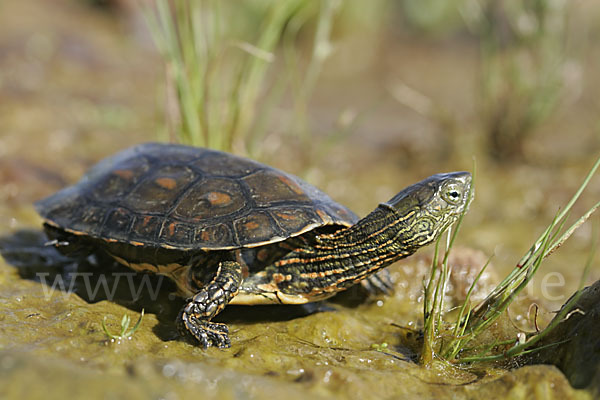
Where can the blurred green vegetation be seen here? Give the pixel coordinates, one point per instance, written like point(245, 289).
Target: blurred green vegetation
point(230, 65)
point(525, 60)
point(240, 73)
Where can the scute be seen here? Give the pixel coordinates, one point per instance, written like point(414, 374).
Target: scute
point(269, 187)
point(217, 163)
point(159, 189)
point(219, 236)
point(210, 199)
point(257, 227)
point(118, 182)
point(145, 228)
point(292, 219)
point(181, 197)
point(177, 234)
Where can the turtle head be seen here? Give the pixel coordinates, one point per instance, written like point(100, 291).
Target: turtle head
point(427, 208)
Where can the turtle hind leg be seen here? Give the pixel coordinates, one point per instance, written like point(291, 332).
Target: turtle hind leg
point(194, 319)
point(379, 283)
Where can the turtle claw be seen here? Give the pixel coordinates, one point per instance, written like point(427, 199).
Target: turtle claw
point(203, 332)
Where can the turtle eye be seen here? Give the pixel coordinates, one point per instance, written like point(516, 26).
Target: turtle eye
point(452, 194)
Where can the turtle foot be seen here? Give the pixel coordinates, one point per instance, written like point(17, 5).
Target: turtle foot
point(194, 318)
point(203, 332)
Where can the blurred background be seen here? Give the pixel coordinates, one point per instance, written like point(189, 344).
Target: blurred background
point(359, 98)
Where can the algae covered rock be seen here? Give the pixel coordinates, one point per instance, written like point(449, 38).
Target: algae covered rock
point(577, 349)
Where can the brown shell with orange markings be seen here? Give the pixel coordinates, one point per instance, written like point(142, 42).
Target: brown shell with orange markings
point(188, 198)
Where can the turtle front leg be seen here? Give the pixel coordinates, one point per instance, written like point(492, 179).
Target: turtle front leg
point(194, 318)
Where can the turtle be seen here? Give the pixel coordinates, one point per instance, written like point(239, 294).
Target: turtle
point(231, 230)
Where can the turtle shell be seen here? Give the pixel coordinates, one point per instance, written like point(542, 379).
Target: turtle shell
point(188, 198)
